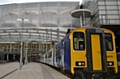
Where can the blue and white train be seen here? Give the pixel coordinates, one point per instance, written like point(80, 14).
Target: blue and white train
point(89, 52)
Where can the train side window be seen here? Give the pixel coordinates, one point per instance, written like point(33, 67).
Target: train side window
point(54, 51)
point(57, 51)
point(50, 54)
point(46, 56)
point(108, 42)
point(78, 41)
point(64, 47)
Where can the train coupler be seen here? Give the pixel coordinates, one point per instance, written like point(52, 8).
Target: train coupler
point(97, 76)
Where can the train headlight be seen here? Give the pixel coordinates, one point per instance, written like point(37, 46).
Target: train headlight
point(110, 63)
point(80, 63)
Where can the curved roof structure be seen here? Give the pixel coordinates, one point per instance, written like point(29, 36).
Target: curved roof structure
point(44, 19)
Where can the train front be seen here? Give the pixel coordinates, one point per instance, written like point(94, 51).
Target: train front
point(93, 53)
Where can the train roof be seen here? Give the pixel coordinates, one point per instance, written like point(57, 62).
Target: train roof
point(84, 28)
point(69, 31)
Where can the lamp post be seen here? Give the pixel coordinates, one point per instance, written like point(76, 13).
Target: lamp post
point(22, 20)
point(21, 63)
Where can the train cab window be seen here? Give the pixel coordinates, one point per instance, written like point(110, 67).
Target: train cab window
point(78, 41)
point(108, 42)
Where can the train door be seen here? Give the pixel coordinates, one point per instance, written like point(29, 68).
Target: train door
point(53, 56)
point(95, 52)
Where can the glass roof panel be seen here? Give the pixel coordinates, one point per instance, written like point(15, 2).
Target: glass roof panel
point(14, 33)
point(26, 34)
point(21, 30)
point(15, 36)
point(5, 36)
point(32, 31)
point(34, 34)
point(10, 30)
point(4, 33)
point(42, 31)
point(1, 31)
point(41, 15)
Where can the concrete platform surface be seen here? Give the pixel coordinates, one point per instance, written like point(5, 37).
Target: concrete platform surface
point(30, 71)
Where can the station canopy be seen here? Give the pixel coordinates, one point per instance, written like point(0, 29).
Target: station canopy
point(40, 20)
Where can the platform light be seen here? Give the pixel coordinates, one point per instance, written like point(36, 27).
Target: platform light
point(22, 20)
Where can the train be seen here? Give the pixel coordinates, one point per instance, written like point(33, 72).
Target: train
point(89, 53)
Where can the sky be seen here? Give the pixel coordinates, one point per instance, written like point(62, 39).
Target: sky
point(23, 1)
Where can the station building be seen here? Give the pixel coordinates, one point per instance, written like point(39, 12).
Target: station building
point(49, 22)
point(38, 26)
point(104, 14)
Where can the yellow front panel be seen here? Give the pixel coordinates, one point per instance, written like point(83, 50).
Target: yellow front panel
point(76, 55)
point(96, 53)
point(111, 55)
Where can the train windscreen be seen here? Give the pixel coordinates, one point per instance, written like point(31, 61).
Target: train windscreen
point(78, 41)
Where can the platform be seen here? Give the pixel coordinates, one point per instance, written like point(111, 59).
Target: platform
point(30, 71)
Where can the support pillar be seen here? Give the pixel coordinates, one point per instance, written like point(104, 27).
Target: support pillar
point(81, 24)
point(7, 57)
point(26, 55)
point(43, 43)
point(46, 40)
point(51, 39)
point(39, 44)
point(82, 14)
point(58, 35)
point(14, 57)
